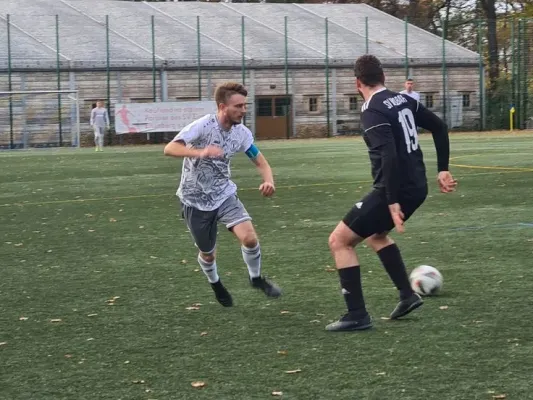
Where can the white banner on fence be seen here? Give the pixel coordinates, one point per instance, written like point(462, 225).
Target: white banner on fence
point(159, 117)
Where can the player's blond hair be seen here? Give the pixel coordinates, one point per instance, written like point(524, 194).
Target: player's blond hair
point(225, 90)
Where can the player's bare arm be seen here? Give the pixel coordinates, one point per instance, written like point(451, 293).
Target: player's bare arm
point(267, 188)
point(428, 120)
point(178, 149)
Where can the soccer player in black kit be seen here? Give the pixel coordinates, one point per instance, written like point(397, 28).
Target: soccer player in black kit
point(390, 123)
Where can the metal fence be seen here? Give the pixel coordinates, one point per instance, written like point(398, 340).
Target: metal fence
point(48, 57)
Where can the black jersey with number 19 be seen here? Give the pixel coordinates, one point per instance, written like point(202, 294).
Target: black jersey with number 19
point(390, 122)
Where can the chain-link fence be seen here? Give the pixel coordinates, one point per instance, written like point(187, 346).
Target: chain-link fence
point(296, 60)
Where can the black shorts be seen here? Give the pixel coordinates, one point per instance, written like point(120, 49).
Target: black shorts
point(371, 215)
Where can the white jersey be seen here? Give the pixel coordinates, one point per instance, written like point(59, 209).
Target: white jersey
point(205, 182)
point(99, 117)
point(413, 94)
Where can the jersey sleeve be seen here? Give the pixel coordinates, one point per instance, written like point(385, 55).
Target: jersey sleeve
point(439, 130)
point(378, 131)
point(247, 140)
point(189, 134)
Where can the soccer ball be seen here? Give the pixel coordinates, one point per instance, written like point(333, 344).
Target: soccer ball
point(426, 280)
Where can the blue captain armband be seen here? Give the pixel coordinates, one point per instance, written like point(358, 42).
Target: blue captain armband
point(252, 152)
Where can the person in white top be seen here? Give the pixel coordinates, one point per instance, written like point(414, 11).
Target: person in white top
point(99, 121)
point(208, 195)
point(409, 84)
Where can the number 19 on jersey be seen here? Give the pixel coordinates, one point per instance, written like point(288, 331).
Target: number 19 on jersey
point(407, 120)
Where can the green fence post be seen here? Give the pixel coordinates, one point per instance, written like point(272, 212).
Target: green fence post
point(366, 36)
point(58, 70)
point(327, 78)
point(481, 78)
point(289, 103)
point(199, 57)
point(154, 88)
point(406, 48)
point(108, 72)
point(243, 61)
point(10, 82)
point(443, 25)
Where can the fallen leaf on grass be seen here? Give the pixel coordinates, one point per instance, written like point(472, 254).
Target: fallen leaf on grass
point(294, 371)
point(112, 220)
point(18, 244)
point(3, 343)
point(197, 270)
point(277, 393)
point(126, 362)
point(192, 308)
point(385, 318)
point(138, 382)
point(198, 384)
point(499, 396)
point(23, 318)
point(92, 315)
point(56, 320)
point(315, 321)
point(203, 334)
point(443, 307)
point(381, 373)
point(285, 312)
point(68, 355)
point(184, 261)
point(283, 352)
point(329, 269)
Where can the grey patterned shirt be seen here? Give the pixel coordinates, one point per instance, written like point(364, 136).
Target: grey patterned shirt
point(205, 182)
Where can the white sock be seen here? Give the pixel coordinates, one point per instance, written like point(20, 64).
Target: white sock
point(252, 258)
point(210, 269)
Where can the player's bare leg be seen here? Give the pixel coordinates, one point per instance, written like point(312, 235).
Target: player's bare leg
point(251, 254)
point(208, 264)
point(392, 261)
point(342, 242)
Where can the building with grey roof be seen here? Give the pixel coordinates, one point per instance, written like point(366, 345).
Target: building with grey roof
point(298, 80)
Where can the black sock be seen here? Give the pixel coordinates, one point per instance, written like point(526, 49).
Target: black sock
point(392, 261)
point(351, 289)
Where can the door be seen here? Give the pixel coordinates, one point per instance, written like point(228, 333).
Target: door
point(273, 117)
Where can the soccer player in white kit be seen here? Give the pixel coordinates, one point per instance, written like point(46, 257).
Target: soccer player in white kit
point(99, 121)
point(208, 195)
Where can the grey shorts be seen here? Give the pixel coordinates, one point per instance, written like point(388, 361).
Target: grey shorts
point(203, 224)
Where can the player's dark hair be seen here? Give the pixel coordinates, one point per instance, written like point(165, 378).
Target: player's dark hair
point(225, 90)
point(369, 71)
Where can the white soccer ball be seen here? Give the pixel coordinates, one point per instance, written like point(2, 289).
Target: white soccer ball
point(426, 280)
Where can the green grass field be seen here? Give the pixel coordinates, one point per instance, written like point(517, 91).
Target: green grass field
point(79, 229)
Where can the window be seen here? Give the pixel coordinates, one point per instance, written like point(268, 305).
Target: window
point(466, 100)
point(352, 103)
point(428, 100)
point(263, 107)
point(313, 104)
point(282, 106)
